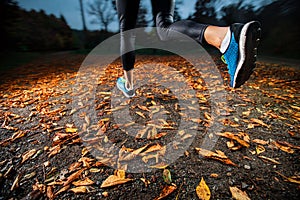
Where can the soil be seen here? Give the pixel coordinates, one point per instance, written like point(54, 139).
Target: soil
point(36, 105)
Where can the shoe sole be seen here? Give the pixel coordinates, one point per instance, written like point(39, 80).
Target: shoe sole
point(126, 95)
point(248, 43)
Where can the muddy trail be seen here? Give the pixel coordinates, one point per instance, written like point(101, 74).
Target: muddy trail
point(58, 142)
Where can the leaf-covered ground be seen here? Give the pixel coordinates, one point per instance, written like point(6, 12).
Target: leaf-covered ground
point(42, 155)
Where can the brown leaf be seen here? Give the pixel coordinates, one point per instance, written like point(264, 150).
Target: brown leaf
point(238, 194)
point(202, 190)
point(166, 191)
point(16, 182)
point(260, 122)
point(49, 192)
point(73, 176)
point(295, 179)
point(84, 182)
point(113, 180)
point(269, 159)
point(283, 147)
point(259, 141)
point(28, 154)
point(219, 155)
point(234, 137)
point(63, 189)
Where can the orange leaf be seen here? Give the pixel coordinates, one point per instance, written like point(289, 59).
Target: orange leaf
point(219, 155)
point(166, 191)
point(234, 137)
point(73, 176)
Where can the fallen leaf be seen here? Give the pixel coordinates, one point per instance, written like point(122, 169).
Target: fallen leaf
point(219, 155)
point(167, 190)
point(140, 114)
point(113, 180)
point(167, 176)
point(71, 130)
point(84, 182)
point(290, 179)
point(80, 189)
point(238, 194)
point(202, 190)
point(16, 182)
point(260, 149)
point(269, 159)
point(28, 155)
point(283, 147)
point(260, 122)
point(259, 141)
point(288, 144)
point(49, 192)
point(234, 137)
point(214, 175)
point(73, 176)
point(63, 189)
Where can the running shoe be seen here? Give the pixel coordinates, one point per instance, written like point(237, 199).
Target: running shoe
point(121, 86)
point(241, 53)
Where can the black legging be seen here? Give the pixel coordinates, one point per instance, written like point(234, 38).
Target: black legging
point(163, 11)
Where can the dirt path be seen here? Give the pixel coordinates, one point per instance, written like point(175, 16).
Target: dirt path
point(44, 154)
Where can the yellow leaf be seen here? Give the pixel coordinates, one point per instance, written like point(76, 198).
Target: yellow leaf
point(71, 130)
point(202, 190)
point(238, 194)
point(260, 149)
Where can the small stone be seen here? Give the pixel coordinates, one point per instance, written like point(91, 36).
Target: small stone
point(229, 169)
point(228, 174)
point(244, 185)
point(247, 167)
point(231, 182)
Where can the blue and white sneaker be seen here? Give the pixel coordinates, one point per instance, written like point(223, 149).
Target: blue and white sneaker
point(241, 53)
point(121, 86)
